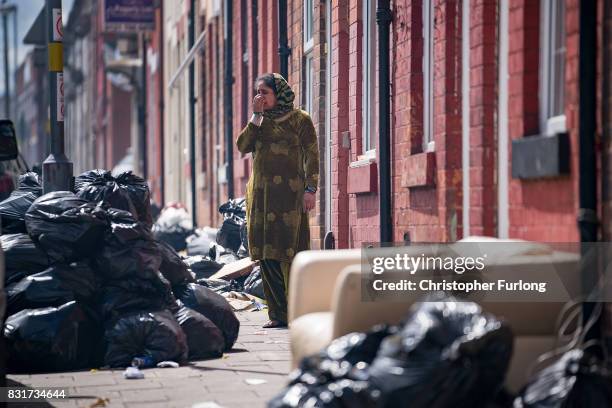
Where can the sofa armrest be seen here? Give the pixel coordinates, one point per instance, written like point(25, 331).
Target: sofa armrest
point(352, 314)
point(312, 279)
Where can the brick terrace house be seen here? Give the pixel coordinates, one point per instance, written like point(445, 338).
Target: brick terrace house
point(483, 93)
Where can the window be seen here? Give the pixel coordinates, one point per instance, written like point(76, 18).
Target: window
point(428, 59)
point(308, 76)
point(370, 79)
point(308, 25)
point(552, 74)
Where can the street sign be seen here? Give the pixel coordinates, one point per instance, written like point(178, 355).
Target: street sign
point(129, 15)
point(60, 96)
point(58, 29)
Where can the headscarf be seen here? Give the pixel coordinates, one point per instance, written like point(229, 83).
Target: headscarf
point(284, 97)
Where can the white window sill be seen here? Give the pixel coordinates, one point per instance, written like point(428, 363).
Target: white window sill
point(308, 46)
point(555, 125)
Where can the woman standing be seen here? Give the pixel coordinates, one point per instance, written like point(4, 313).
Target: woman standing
point(282, 186)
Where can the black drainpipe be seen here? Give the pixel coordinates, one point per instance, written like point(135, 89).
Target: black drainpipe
point(383, 18)
point(192, 119)
point(161, 109)
point(227, 98)
point(283, 46)
point(587, 216)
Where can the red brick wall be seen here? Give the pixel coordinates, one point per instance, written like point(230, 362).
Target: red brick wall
point(427, 213)
point(542, 210)
point(539, 209)
point(363, 208)
point(340, 121)
point(483, 105)
point(296, 78)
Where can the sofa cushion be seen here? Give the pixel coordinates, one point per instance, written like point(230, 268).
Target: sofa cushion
point(309, 334)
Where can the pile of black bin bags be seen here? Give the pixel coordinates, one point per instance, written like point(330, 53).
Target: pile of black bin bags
point(87, 285)
point(446, 354)
point(209, 249)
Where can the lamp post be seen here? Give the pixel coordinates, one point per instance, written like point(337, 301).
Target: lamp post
point(57, 169)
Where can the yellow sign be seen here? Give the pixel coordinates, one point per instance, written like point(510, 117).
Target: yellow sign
point(56, 57)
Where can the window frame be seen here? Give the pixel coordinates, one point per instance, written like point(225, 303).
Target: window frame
point(308, 56)
point(368, 89)
point(308, 21)
point(551, 123)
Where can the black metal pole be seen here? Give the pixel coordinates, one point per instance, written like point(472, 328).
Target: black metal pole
point(587, 217)
point(192, 119)
point(383, 18)
point(57, 169)
point(162, 107)
point(227, 98)
point(283, 46)
point(7, 89)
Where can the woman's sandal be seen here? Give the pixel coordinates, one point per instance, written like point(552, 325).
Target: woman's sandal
point(274, 324)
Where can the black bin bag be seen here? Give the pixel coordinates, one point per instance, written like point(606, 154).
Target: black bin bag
point(199, 242)
point(14, 208)
point(13, 211)
point(172, 266)
point(51, 339)
point(125, 192)
point(129, 295)
point(55, 286)
point(145, 334)
point(129, 250)
point(337, 375)
point(21, 257)
point(31, 183)
point(228, 235)
point(213, 306)
point(202, 266)
point(66, 227)
point(253, 285)
point(575, 380)
point(448, 353)
point(205, 340)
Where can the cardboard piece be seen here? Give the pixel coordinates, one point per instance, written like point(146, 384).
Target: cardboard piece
point(234, 270)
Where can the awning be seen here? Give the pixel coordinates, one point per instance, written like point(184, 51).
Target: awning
point(188, 59)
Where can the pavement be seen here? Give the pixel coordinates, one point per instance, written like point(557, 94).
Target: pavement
point(248, 376)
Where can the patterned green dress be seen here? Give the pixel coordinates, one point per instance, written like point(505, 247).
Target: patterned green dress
point(286, 159)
